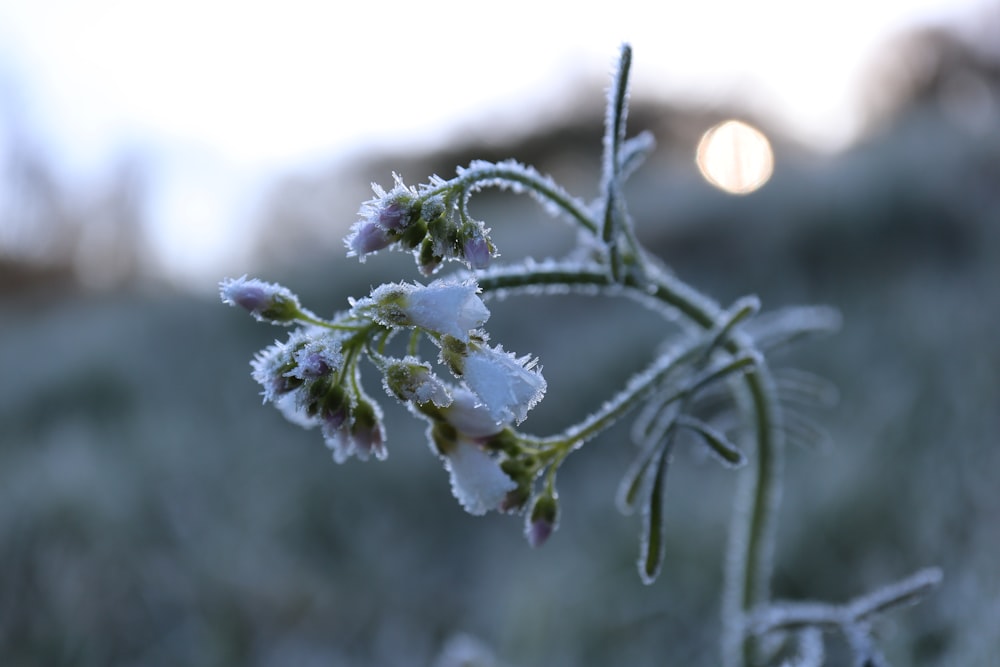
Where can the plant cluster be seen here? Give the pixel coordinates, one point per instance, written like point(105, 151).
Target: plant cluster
point(711, 382)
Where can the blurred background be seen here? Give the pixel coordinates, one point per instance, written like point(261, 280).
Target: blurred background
point(153, 513)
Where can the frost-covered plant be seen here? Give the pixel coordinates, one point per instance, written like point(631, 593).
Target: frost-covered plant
point(711, 380)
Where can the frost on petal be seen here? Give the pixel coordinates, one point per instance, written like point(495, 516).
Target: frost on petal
point(509, 387)
point(448, 307)
point(470, 417)
point(476, 479)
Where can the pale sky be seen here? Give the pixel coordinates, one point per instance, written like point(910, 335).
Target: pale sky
point(221, 93)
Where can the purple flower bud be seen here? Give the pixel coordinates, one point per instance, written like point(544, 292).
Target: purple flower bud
point(476, 251)
point(267, 302)
point(366, 237)
point(542, 520)
point(394, 216)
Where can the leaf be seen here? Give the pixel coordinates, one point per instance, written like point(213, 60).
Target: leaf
point(788, 325)
point(729, 454)
point(634, 153)
point(634, 483)
point(741, 310)
point(652, 548)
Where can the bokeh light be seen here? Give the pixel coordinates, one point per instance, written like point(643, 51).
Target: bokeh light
point(735, 157)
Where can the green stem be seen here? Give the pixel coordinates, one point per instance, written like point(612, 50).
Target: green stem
point(506, 173)
point(748, 566)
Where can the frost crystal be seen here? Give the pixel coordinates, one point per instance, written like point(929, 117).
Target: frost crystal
point(476, 479)
point(506, 385)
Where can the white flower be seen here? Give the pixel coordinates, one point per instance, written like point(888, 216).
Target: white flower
point(446, 307)
point(476, 479)
point(506, 385)
point(470, 417)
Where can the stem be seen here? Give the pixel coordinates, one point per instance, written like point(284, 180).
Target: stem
point(614, 137)
point(748, 565)
point(503, 174)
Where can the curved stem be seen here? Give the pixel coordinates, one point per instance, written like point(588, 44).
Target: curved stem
point(507, 174)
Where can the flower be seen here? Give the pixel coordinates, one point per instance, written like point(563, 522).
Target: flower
point(445, 306)
point(476, 478)
point(508, 386)
point(469, 417)
point(267, 302)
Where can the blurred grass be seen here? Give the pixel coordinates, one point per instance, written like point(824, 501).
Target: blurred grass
point(153, 513)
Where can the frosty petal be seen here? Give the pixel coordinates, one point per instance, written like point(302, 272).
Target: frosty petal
point(470, 417)
point(446, 307)
point(450, 308)
point(476, 479)
point(506, 385)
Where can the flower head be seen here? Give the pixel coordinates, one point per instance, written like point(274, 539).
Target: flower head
point(508, 386)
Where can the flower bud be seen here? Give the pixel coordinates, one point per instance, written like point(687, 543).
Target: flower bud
point(267, 302)
point(476, 250)
point(365, 238)
point(428, 260)
point(543, 519)
point(411, 380)
point(433, 208)
point(366, 430)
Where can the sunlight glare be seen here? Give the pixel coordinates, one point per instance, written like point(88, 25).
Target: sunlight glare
point(735, 157)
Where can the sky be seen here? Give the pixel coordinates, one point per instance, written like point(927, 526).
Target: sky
point(220, 95)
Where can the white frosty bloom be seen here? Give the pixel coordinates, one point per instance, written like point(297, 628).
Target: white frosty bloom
point(508, 386)
point(470, 417)
point(476, 479)
point(445, 306)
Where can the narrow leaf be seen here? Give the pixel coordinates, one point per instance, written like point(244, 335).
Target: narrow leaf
point(788, 325)
point(741, 310)
point(737, 364)
point(652, 548)
point(729, 454)
point(635, 481)
point(634, 153)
